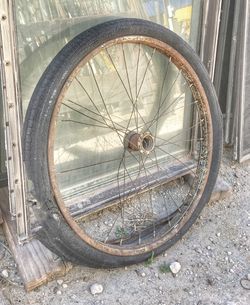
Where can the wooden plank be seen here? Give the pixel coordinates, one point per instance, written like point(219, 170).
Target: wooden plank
point(37, 265)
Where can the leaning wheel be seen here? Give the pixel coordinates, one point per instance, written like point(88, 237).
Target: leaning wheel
point(122, 141)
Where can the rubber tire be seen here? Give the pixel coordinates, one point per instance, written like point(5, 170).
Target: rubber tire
point(54, 231)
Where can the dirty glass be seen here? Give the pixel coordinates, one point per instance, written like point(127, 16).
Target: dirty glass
point(45, 26)
point(106, 116)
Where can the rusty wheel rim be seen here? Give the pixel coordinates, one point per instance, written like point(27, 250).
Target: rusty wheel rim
point(143, 142)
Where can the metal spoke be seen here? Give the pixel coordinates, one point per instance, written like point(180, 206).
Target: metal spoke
point(166, 142)
point(165, 113)
point(179, 133)
point(104, 125)
point(125, 62)
point(136, 85)
point(163, 82)
point(95, 113)
point(104, 104)
point(87, 166)
point(118, 74)
point(86, 124)
point(142, 82)
point(171, 155)
point(88, 95)
point(159, 168)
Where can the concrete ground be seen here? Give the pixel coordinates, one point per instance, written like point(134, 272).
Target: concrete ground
point(214, 257)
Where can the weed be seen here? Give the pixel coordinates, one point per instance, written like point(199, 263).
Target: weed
point(150, 260)
point(164, 268)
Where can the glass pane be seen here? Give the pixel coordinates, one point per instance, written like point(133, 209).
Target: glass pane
point(96, 119)
point(45, 26)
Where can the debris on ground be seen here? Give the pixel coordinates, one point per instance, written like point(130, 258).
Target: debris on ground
point(214, 257)
point(96, 289)
point(175, 267)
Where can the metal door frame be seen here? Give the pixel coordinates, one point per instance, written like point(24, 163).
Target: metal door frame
point(240, 152)
point(12, 108)
point(3, 175)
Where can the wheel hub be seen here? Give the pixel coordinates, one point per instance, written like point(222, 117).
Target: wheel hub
point(142, 142)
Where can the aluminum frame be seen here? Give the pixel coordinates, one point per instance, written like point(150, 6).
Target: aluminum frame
point(241, 152)
point(210, 34)
point(13, 119)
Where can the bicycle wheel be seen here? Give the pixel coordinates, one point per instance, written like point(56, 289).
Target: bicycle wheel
point(119, 143)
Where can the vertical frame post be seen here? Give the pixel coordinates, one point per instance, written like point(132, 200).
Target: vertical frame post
point(210, 34)
point(13, 118)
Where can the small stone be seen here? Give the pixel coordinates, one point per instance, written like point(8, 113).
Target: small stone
point(96, 289)
point(208, 247)
point(5, 273)
point(236, 175)
point(175, 267)
point(141, 273)
point(59, 282)
point(210, 281)
point(229, 253)
point(218, 234)
point(126, 268)
point(198, 250)
point(65, 286)
point(57, 291)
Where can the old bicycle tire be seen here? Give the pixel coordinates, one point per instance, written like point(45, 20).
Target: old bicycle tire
point(122, 143)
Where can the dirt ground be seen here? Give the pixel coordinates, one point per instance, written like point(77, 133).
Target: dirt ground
point(214, 256)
